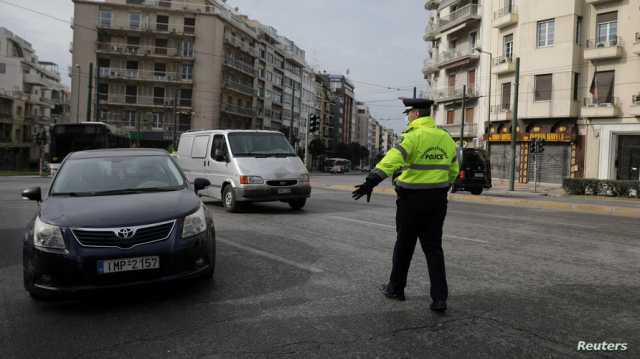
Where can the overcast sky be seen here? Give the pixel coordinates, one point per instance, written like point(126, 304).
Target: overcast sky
point(377, 41)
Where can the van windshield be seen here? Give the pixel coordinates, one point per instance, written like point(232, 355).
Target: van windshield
point(256, 144)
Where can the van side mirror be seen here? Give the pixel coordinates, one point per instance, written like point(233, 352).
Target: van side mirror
point(200, 183)
point(219, 156)
point(33, 194)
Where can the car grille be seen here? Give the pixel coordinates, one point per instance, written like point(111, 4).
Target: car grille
point(282, 183)
point(107, 237)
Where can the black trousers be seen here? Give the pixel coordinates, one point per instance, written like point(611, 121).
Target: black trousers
point(420, 214)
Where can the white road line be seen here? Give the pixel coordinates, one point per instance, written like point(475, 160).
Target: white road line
point(452, 236)
point(274, 257)
point(524, 219)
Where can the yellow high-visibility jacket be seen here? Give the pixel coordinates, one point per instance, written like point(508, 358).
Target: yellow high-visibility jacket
point(426, 155)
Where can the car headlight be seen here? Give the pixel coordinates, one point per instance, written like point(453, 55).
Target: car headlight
point(305, 179)
point(47, 236)
point(194, 224)
point(251, 180)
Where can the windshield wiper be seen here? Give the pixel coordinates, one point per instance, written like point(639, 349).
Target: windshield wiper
point(137, 190)
point(73, 194)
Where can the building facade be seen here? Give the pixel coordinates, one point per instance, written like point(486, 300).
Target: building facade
point(31, 99)
point(455, 29)
point(342, 91)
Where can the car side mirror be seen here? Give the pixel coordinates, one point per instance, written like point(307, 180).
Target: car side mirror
point(200, 183)
point(219, 156)
point(33, 194)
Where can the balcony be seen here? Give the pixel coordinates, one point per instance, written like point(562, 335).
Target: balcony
point(453, 94)
point(466, 14)
point(34, 78)
point(431, 4)
point(120, 99)
point(503, 65)
point(430, 66)
point(470, 129)
point(636, 44)
point(430, 32)
point(168, 5)
point(501, 112)
point(241, 66)
point(161, 28)
point(635, 105)
point(240, 45)
point(505, 17)
point(603, 49)
point(598, 2)
point(238, 110)
point(458, 57)
point(243, 89)
point(120, 49)
point(594, 108)
point(110, 73)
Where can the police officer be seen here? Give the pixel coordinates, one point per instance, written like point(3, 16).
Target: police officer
point(426, 157)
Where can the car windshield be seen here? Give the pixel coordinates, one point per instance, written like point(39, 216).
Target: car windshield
point(117, 175)
point(259, 144)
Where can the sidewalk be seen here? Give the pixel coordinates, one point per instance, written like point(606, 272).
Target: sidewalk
point(551, 197)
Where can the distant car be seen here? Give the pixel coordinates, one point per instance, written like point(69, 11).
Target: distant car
point(116, 218)
point(475, 172)
point(337, 169)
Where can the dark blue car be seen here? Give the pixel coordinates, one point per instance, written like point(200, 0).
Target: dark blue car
point(115, 218)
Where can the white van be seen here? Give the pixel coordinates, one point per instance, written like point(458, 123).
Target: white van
point(245, 166)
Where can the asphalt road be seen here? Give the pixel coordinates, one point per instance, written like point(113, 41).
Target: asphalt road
point(524, 284)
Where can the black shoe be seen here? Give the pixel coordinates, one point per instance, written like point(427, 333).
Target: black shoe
point(439, 305)
point(391, 294)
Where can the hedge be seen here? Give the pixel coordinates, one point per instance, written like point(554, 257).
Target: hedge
point(596, 187)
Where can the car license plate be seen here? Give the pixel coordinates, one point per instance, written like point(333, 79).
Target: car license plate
point(284, 190)
point(128, 264)
point(479, 175)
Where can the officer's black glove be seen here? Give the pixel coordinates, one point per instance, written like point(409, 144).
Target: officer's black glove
point(373, 179)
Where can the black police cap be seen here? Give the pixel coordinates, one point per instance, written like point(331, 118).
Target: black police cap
point(416, 104)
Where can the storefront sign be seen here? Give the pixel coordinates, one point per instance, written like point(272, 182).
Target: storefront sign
point(549, 137)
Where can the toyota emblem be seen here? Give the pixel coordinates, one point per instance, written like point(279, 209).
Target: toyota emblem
point(125, 233)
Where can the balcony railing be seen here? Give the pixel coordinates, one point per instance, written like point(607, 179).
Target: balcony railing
point(150, 101)
point(453, 55)
point(166, 28)
point(141, 75)
point(505, 17)
point(454, 93)
point(470, 129)
point(604, 43)
point(245, 89)
point(594, 107)
point(431, 4)
point(238, 110)
point(241, 45)
point(240, 65)
point(595, 102)
point(459, 16)
point(141, 50)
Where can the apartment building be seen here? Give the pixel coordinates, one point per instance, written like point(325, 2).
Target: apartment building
point(610, 112)
point(362, 118)
point(31, 99)
point(455, 28)
point(326, 103)
point(163, 67)
point(342, 107)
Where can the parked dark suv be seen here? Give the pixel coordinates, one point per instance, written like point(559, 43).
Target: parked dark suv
point(115, 218)
point(475, 172)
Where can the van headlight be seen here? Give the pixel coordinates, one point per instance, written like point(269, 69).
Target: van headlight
point(251, 180)
point(47, 236)
point(194, 224)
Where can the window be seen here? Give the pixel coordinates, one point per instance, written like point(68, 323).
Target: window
point(103, 91)
point(131, 119)
point(159, 71)
point(505, 103)
point(162, 23)
point(134, 21)
point(187, 48)
point(104, 18)
point(187, 71)
point(189, 25)
point(219, 143)
point(602, 87)
point(157, 120)
point(576, 84)
point(607, 29)
point(471, 81)
point(451, 117)
point(158, 96)
point(468, 116)
point(546, 33)
point(579, 30)
point(200, 145)
point(473, 38)
point(453, 43)
point(3, 68)
point(185, 97)
point(133, 44)
point(507, 49)
point(543, 86)
point(161, 46)
point(132, 69)
point(131, 95)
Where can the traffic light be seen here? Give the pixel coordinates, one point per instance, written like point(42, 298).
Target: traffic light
point(532, 147)
point(314, 123)
point(540, 146)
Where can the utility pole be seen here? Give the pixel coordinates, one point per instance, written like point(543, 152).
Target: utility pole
point(415, 91)
point(293, 107)
point(306, 143)
point(489, 105)
point(89, 100)
point(97, 93)
point(78, 94)
point(514, 127)
point(175, 118)
point(464, 100)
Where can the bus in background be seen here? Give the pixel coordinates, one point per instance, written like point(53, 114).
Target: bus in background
point(337, 165)
point(72, 137)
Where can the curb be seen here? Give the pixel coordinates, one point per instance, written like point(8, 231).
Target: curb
point(616, 211)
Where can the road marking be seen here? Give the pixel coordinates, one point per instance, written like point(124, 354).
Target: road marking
point(452, 236)
point(524, 219)
point(271, 256)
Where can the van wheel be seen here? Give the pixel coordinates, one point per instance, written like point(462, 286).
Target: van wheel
point(229, 199)
point(477, 191)
point(297, 204)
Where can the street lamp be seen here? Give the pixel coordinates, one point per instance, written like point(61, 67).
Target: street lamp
point(78, 93)
point(479, 49)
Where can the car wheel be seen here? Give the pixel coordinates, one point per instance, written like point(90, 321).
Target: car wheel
point(229, 199)
point(477, 191)
point(297, 204)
